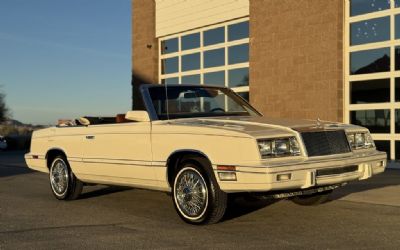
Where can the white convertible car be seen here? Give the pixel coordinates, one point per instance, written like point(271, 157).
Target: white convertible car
point(201, 143)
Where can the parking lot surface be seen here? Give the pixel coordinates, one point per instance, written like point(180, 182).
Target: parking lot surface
point(363, 215)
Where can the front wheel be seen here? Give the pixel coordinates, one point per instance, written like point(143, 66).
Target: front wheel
point(196, 195)
point(63, 183)
point(313, 199)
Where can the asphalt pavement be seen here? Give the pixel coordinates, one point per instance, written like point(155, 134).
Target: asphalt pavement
point(361, 215)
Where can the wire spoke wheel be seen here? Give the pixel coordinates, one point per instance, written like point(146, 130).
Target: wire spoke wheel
point(59, 177)
point(191, 194)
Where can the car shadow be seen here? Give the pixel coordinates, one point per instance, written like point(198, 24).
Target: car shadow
point(390, 177)
point(104, 190)
point(11, 170)
point(241, 205)
point(13, 163)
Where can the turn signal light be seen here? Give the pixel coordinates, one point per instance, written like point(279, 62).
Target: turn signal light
point(226, 168)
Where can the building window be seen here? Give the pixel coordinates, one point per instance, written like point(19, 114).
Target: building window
point(214, 36)
point(397, 90)
point(370, 91)
point(397, 121)
point(215, 78)
point(170, 65)
point(214, 58)
point(238, 31)
point(370, 31)
point(191, 41)
point(377, 121)
point(370, 61)
point(190, 62)
point(238, 77)
point(372, 73)
point(191, 79)
point(397, 145)
point(214, 55)
point(383, 146)
point(169, 46)
point(172, 80)
point(359, 7)
point(238, 54)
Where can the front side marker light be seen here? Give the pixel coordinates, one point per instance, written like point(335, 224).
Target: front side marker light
point(227, 176)
point(226, 173)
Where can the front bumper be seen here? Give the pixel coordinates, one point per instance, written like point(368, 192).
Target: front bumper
point(304, 174)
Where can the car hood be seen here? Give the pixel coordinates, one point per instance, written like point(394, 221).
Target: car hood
point(261, 126)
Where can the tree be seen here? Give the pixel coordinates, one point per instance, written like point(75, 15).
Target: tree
point(3, 108)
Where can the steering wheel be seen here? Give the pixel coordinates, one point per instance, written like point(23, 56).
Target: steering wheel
point(217, 109)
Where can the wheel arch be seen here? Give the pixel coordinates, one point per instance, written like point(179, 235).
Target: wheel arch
point(176, 158)
point(52, 154)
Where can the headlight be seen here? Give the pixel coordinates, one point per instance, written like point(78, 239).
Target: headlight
point(360, 140)
point(279, 147)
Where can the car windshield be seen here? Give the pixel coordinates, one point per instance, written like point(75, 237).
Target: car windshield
point(175, 102)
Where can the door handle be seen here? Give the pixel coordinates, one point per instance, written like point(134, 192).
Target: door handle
point(90, 137)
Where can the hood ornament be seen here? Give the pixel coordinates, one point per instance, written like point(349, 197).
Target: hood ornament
point(319, 124)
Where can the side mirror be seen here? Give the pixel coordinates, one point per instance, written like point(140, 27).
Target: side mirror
point(137, 116)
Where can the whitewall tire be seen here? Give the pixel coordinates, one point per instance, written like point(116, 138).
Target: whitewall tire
point(64, 184)
point(196, 195)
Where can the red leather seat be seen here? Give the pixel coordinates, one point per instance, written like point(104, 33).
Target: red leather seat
point(120, 118)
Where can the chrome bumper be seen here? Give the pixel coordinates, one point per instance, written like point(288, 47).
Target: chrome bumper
point(304, 174)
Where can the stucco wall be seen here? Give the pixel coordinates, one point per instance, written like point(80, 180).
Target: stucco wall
point(296, 58)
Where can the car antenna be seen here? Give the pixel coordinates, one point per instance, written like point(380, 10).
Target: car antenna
point(166, 99)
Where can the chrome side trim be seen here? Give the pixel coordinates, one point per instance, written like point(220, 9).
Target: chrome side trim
point(119, 163)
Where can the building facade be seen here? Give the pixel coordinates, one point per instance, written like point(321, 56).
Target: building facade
point(329, 59)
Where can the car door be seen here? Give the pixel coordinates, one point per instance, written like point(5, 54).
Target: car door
point(119, 154)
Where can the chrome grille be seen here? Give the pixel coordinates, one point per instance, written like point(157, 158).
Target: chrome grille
point(319, 143)
point(333, 171)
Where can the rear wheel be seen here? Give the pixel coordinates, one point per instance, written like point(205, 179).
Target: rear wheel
point(63, 183)
point(313, 199)
point(196, 194)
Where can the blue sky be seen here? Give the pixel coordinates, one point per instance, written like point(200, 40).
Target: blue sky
point(65, 59)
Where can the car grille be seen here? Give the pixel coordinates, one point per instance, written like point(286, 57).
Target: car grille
point(319, 143)
point(333, 171)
